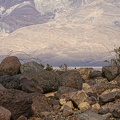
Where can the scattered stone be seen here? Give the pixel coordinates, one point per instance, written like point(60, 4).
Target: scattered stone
point(40, 104)
point(22, 117)
point(10, 66)
point(95, 74)
point(85, 86)
point(99, 88)
point(72, 79)
point(70, 104)
point(84, 106)
point(2, 87)
point(78, 97)
point(101, 80)
point(85, 72)
point(110, 72)
point(63, 90)
point(88, 115)
point(67, 111)
point(30, 67)
point(109, 96)
point(95, 107)
point(18, 102)
point(117, 79)
point(5, 114)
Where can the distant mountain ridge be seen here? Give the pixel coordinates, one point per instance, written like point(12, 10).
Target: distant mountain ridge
point(75, 32)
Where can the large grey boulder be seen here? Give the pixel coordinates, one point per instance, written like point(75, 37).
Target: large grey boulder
point(110, 72)
point(10, 66)
point(49, 81)
point(10, 82)
point(30, 67)
point(72, 79)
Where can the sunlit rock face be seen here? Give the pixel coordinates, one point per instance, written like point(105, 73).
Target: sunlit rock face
point(75, 32)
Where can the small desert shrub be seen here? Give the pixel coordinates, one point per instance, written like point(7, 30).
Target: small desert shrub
point(49, 67)
point(116, 60)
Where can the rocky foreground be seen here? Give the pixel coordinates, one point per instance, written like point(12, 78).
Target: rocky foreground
point(29, 92)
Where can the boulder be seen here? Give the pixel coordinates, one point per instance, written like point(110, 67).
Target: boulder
point(67, 111)
point(10, 66)
point(49, 81)
point(88, 115)
point(10, 82)
point(63, 89)
point(109, 96)
point(95, 74)
point(5, 114)
point(17, 102)
point(29, 86)
point(30, 67)
point(84, 72)
point(99, 88)
point(72, 79)
point(110, 72)
point(113, 108)
point(40, 104)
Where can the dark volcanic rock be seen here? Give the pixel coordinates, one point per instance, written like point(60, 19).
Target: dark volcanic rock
point(10, 66)
point(95, 74)
point(72, 79)
point(109, 96)
point(110, 72)
point(63, 90)
point(29, 86)
point(17, 102)
point(40, 104)
point(88, 115)
point(10, 82)
point(49, 81)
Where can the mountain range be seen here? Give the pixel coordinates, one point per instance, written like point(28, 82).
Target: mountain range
point(74, 32)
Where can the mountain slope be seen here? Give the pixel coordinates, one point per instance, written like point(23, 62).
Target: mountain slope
point(82, 32)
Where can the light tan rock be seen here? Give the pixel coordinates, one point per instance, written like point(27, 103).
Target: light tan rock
point(70, 104)
point(85, 86)
point(84, 106)
point(95, 107)
point(62, 101)
point(84, 72)
point(78, 97)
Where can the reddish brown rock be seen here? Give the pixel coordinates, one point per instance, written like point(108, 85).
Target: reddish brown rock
point(10, 66)
point(67, 111)
point(5, 114)
point(72, 79)
point(29, 86)
point(40, 104)
point(18, 102)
